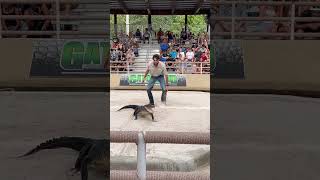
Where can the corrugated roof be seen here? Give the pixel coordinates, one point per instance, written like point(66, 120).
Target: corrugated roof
point(160, 7)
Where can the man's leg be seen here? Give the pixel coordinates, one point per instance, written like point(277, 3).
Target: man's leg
point(149, 89)
point(163, 88)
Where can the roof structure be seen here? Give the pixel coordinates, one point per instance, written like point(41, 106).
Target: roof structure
point(160, 7)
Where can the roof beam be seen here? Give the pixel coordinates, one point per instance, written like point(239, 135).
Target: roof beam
point(198, 7)
point(173, 4)
point(124, 6)
point(158, 11)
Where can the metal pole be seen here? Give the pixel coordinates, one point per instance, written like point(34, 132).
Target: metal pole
point(141, 158)
point(185, 22)
point(127, 24)
point(58, 18)
point(293, 8)
point(233, 20)
point(115, 25)
point(0, 21)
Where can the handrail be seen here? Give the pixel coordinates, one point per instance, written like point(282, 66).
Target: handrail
point(57, 18)
point(201, 69)
point(292, 19)
point(53, 1)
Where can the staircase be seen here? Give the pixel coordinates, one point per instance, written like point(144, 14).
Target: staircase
point(146, 51)
point(87, 10)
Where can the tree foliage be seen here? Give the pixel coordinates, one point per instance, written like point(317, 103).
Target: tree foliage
point(174, 23)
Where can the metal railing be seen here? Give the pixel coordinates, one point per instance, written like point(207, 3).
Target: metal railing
point(234, 19)
point(142, 138)
point(121, 67)
point(56, 19)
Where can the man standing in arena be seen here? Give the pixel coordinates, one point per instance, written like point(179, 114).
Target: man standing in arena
point(158, 72)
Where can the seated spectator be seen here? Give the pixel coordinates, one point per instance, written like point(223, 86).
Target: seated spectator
point(170, 37)
point(135, 49)
point(173, 54)
point(160, 35)
point(204, 57)
point(310, 27)
point(8, 24)
point(164, 46)
point(182, 61)
point(190, 55)
point(146, 36)
point(164, 57)
point(113, 55)
point(138, 35)
point(197, 54)
point(183, 35)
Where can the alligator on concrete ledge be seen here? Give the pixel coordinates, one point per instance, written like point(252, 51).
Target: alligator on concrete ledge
point(92, 152)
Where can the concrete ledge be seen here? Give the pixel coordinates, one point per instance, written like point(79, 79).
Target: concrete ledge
point(191, 161)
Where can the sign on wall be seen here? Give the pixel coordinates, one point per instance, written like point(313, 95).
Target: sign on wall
point(69, 57)
point(136, 80)
point(227, 59)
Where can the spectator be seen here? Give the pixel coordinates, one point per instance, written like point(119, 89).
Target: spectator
point(146, 36)
point(190, 55)
point(138, 34)
point(9, 9)
point(310, 27)
point(164, 46)
point(160, 35)
point(182, 61)
point(164, 57)
point(170, 37)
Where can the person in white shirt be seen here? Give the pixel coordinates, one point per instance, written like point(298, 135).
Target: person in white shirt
point(158, 72)
point(190, 55)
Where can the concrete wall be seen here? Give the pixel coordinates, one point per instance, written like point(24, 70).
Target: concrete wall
point(15, 60)
point(196, 82)
point(278, 65)
point(15, 65)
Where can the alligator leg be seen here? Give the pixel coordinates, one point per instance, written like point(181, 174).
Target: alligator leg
point(84, 151)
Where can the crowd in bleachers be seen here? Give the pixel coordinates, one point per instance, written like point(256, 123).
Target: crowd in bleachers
point(178, 52)
point(242, 10)
point(184, 53)
point(32, 24)
point(124, 49)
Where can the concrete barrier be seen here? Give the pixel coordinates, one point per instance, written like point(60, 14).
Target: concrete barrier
point(278, 65)
point(195, 82)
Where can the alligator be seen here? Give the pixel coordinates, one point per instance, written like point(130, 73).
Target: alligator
point(92, 153)
point(140, 110)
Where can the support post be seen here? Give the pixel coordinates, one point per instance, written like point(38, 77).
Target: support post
point(293, 8)
point(185, 22)
point(115, 25)
point(127, 24)
point(0, 21)
point(233, 20)
point(58, 18)
point(141, 158)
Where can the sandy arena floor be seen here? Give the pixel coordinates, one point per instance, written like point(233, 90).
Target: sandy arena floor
point(185, 112)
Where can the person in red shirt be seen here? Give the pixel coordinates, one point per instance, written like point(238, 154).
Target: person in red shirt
point(159, 35)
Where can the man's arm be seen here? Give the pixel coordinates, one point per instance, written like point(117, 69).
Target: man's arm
point(145, 74)
point(167, 82)
point(165, 73)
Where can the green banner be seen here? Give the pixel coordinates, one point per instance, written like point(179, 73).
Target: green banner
point(69, 57)
point(136, 80)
